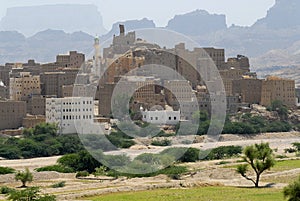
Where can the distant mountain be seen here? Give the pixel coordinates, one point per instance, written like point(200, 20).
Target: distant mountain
point(43, 46)
point(272, 43)
point(66, 17)
point(197, 22)
point(284, 14)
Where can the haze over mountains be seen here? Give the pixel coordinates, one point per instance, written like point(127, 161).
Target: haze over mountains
point(272, 41)
point(68, 17)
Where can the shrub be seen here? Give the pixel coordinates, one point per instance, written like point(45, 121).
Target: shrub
point(32, 194)
point(82, 174)
point(224, 152)
point(59, 184)
point(292, 191)
point(5, 190)
point(80, 161)
point(120, 140)
point(6, 170)
point(290, 150)
point(296, 145)
point(24, 177)
point(164, 142)
point(56, 168)
point(191, 155)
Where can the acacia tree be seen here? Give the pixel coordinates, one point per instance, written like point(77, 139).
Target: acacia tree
point(24, 177)
point(260, 158)
point(292, 191)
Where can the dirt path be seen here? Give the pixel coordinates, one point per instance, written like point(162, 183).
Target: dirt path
point(32, 163)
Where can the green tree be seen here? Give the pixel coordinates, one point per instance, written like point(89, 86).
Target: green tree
point(24, 177)
point(280, 108)
point(260, 158)
point(29, 194)
point(46, 128)
point(292, 191)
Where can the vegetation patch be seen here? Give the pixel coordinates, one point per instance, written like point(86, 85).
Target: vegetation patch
point(6, 170)
point(198, 194)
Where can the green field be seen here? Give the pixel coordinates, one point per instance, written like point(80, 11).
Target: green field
point(198, 194)
point(286, 165)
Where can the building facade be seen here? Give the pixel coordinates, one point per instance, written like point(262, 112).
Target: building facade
point(21, 88)
point(161, 117)
point(66, 112)
point(275, 88)
point(12, 114)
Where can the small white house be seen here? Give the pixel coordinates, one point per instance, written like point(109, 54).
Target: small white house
point(161, 117)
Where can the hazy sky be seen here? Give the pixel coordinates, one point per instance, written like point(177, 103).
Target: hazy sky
point(239, 12)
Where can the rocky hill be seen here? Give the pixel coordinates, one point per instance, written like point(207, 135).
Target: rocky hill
point(197, 23)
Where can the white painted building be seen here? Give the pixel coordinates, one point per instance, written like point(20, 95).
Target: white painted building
point(161, 117)
point(67, 112)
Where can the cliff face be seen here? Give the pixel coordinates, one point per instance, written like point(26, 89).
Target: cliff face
point(69, 18)
point(284, 14)
point(197, 23)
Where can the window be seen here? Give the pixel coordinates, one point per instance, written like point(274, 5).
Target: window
point(175, 118)
point(170, 118)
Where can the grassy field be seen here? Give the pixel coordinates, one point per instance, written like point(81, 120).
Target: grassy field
point(286, 165)
point(198, 194)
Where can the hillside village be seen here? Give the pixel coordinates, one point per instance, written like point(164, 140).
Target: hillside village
point(32, 93)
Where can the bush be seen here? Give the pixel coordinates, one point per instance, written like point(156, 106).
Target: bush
point(24, 177)
point(296, 145)
point(59, 184)
point(82, 161)
point(82, 174)
point(292, 191)
point(120, 140)
point(6, 170)
point(191, 155)
point(32, 194)
point(164, 142)
point(290, 150)
point(56, 168)
point(224, 152)
point(5, 190)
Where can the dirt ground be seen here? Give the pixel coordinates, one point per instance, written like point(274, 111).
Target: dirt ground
point(204, 173)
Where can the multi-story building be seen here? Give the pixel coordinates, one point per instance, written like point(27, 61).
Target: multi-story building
point(177, 91)
point(4, 91)
point(275, 88)
point(12, 114)
point(146, 93)
point(52, 82)
point(24, 86)
point(249, 89)
point(66, 112)
point(71, 60)
point(79, 90)
point(36, 105)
